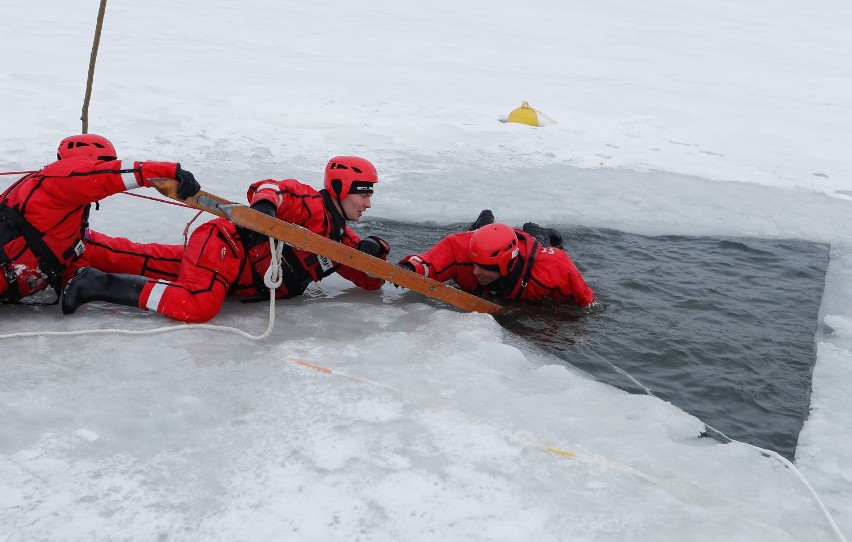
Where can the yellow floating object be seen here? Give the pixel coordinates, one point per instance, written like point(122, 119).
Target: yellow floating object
point(524, 115)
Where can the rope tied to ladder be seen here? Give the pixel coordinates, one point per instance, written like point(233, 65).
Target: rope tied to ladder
point(274, 275)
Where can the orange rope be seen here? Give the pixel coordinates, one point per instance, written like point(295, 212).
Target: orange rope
point(186, 229)
point(188, 224)
point(127, 193)
point(158, 199)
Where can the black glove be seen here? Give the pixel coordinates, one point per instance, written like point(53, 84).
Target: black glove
point(546, 236)
point(485, 218)
point(265, 206)
point(187, 185)
point(252, 238)
point(407, 266)
point(374, 246)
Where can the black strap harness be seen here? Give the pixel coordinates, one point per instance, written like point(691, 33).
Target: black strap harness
point(14, 225)
point(508, 286)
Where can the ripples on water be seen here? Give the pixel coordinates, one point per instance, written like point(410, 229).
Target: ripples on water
point(722, 328)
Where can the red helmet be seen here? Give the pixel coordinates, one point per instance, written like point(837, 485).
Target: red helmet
point(346, 175)
point(89, 145)
point(494, 246)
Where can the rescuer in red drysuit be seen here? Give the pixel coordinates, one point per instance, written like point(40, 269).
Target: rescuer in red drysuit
point(120, 255)
point(497, 261)
point(43, 216)
point(221, 258)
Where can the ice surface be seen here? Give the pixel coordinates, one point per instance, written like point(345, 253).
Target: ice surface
point(724, 118)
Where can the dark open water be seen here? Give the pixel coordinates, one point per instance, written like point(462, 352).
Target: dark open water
point(723, 328)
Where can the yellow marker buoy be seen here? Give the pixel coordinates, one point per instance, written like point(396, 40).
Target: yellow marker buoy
point(524, 115)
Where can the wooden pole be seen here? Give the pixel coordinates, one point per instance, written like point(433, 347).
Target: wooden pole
point(92, 59)
point(299, 237)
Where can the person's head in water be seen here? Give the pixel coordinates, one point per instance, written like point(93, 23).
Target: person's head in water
point(494, 251)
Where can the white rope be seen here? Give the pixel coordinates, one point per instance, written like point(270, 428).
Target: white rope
point(273, 271)
point(618, 369)
point(273, 277)
point(165, 329)
point(767, 453)
point(786, 462)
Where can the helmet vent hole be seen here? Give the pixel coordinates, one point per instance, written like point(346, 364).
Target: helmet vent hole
point(91, 146)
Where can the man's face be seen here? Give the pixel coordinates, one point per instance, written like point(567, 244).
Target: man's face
point(484, 276)
point(354, 205)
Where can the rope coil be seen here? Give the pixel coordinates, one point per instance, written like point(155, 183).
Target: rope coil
point(274, 275)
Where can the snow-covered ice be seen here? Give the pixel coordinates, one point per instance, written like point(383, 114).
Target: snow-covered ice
point(724, 118)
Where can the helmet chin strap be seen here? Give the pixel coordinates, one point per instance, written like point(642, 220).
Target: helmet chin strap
point(339, 203)
point(513, 263)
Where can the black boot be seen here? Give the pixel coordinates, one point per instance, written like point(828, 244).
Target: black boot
point(89, 284)
point(485, 218)
point(546, 236)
